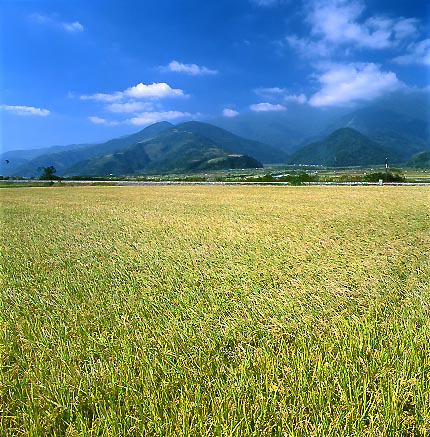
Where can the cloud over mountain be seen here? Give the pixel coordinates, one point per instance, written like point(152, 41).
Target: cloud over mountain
point(130, 107)
point(344, 84)
point(158, 90)
point(151, 117)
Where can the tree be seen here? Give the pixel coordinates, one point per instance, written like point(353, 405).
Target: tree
point(48, 173)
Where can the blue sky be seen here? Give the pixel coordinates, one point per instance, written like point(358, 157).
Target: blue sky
point(82, 71)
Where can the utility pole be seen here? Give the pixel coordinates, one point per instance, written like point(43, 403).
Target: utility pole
point(386, 169)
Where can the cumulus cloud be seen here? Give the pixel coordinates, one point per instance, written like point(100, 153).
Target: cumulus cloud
point(25, 110)
point(153, 91)
point(266, 107)
point(152, 117)
point(51, 21)
point(416, 53)
point(337, 21)
point(340, 23)
point(130, 101)
point(191, 69)
point(230, 113)
point(346, 84)
point(130, 107)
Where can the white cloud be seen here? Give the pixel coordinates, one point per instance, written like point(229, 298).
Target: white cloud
point(129, 107)
point(97, 120)
point(103, 97)
point(346, 84)
point(417, 53)
point(153, 91)
point(339, 23)
point(40, 19)
point(191, 69)
point(25, 110)
point(270, 92)
point(230, 113)
point(152, 117)
point(46, 20)
point(73, 27)
point(266, 107)
point(308, 48)
point(406, 27)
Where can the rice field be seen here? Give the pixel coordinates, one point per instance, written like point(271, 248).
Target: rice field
point(215, 311)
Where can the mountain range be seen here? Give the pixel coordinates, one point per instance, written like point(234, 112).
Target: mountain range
point(396, 128)
point(399, 121)
point(159, 148)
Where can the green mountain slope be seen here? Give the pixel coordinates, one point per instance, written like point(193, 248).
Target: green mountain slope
point(161, 147)
point(342, 148)
point(420, 160)
point(260, 151)
point(172, 151)
point(64, 160)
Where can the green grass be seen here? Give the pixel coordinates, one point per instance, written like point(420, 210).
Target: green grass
point(215, 311)
point(8, 184)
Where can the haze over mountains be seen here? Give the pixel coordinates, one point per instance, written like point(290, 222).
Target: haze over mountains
point(396, 128)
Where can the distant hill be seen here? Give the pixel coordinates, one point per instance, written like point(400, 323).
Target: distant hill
point(11, 160)
point(343, 148)
point(69, 156)
point(172, 151)
point(402, 134)
point(420, 160)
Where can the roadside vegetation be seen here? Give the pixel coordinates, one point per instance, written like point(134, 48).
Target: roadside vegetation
point(292, 175)
point(215, 311)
